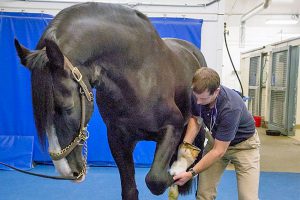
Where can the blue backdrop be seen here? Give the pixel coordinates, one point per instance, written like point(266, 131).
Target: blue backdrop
point(18, 142)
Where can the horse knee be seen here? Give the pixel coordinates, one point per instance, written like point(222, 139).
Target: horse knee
point(158, 182)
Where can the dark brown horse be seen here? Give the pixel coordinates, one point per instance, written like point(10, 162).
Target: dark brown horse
point(142, 88)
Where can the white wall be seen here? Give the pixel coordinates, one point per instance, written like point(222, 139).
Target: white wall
point(212, 29)
point(258, 34)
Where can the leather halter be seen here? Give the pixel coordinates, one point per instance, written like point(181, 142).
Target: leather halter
point(83, 133)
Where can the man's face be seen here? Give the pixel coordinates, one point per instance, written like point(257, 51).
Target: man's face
point(205, 98)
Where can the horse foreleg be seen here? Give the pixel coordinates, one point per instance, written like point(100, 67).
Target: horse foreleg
point(122, 147)
point(158, 179)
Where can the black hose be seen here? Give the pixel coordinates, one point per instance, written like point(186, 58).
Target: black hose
point(212, 2)
point(242, 93)
point(39, 175)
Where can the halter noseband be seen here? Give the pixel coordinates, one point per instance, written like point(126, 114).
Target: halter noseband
point(83, 133)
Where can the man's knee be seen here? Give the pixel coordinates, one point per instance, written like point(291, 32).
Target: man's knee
point(248, 196)
point(206, 195)
point(206, 192)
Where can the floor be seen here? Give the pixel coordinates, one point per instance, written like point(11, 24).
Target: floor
point(297, 135)
point(280, 179)
point(103, 183)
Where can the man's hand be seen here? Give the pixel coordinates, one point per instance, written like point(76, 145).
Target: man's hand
point(187, 154)
point(182, 178)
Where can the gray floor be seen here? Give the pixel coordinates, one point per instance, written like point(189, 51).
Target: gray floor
point(279, 153)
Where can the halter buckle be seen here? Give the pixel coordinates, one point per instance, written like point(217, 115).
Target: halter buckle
point(77, 75)
point(81, 91)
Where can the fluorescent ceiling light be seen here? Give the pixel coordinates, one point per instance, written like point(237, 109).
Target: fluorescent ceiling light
point(289, 35)
point(281, 21)
point(282, 1)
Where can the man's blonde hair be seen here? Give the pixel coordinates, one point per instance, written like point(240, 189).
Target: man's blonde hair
point(205, 78)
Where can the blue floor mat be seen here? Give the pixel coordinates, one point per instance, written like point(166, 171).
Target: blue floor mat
point(103, 183)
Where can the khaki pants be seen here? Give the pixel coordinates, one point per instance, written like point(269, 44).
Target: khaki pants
point(245, 157)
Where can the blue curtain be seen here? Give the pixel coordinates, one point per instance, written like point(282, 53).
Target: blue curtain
point(16, 151)
point(182, 28)
point(16, 117)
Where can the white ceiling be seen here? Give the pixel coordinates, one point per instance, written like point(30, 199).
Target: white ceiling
point(276, 7)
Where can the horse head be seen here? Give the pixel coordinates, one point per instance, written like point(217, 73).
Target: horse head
point(62, 105)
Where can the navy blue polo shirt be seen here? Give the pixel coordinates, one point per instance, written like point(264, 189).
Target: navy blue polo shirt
point(229, 119)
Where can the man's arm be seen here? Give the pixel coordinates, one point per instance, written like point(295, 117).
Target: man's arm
point(192, 130)
point(212, 156)
point(187, 153)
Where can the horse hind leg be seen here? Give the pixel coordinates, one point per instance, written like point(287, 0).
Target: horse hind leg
point(122, 147)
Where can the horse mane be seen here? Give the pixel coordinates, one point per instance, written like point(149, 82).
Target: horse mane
point(42, 93)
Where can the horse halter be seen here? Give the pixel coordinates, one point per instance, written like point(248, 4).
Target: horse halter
point(83, 134)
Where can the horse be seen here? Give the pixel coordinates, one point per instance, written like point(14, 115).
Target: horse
point(142, 83)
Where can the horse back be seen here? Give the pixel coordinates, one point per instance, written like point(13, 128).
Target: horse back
point(103, 31)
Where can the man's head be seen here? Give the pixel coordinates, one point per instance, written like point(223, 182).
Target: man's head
point(206, 86)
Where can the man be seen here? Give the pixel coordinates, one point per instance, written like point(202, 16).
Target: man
point(233, 138)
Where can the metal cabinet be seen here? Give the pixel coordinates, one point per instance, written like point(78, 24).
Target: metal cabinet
point(254, 85)
point(283, 78)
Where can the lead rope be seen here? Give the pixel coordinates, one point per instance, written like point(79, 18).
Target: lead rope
point(83, 135)
point(84, 129)
point(85, 154)
point(84, 132)
point(39, 175)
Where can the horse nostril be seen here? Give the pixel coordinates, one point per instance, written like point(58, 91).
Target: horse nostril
point(75, 174)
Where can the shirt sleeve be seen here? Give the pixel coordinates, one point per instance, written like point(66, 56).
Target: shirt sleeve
point(228, 125)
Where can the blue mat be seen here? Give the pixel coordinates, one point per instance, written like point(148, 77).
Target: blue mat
point(103, 183)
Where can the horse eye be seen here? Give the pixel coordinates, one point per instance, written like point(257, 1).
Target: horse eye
point(58, 110)
point(68, 110)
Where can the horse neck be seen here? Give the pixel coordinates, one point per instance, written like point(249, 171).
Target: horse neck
point(92, 74)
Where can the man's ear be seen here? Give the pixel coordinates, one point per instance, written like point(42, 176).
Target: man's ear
point(55, 56)
point(22, 52)
point(217, 91)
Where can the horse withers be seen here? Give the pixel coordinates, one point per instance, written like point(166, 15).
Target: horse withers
point(142, 82)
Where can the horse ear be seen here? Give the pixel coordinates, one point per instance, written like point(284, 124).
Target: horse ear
point(22, 52)
point(54, 54)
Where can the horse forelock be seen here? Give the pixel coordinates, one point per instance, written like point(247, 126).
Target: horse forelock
point(42, 96)
point(37, 59)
